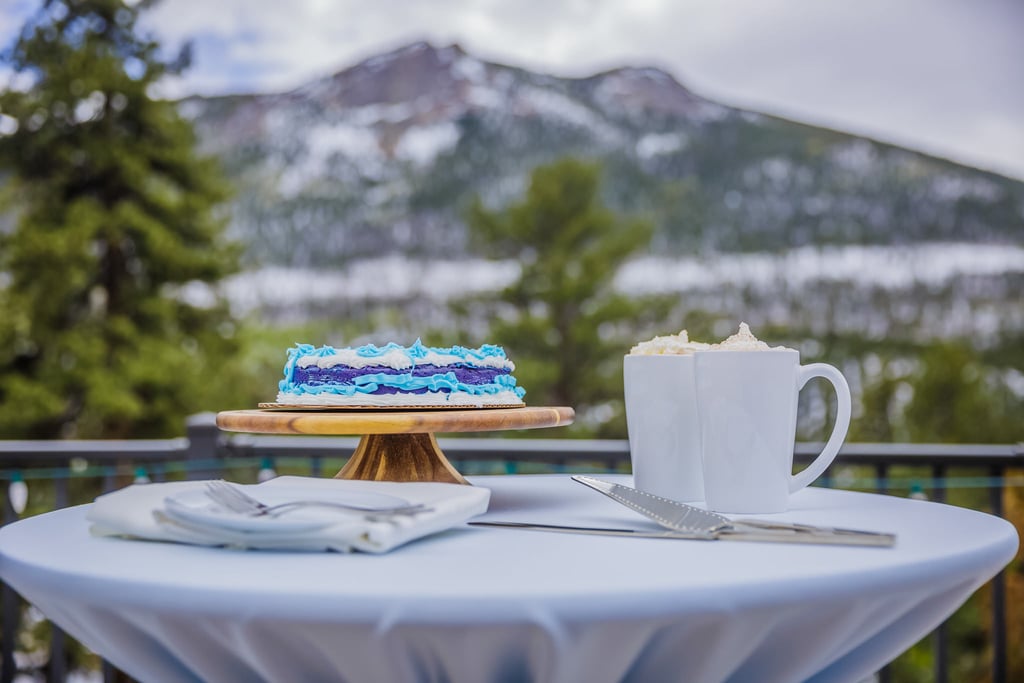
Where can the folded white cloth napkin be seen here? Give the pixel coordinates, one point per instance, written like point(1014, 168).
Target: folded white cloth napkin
point(142, 511)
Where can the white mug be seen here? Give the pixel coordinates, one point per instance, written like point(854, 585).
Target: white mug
point(747, 413)
point(661, 419)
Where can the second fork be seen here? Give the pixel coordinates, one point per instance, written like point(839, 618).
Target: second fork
point(236, 500)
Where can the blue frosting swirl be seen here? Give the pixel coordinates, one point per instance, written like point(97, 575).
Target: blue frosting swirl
point(371, 383)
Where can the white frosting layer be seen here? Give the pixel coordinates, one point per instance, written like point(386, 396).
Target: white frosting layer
point(400, 360)
point(674, 344)
point(456, 398)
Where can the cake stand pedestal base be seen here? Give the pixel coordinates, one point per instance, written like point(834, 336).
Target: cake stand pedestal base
point(400, 457)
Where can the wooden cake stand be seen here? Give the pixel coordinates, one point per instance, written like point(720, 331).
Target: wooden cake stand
point(395, 445)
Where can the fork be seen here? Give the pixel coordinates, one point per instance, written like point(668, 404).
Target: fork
point(236, 500)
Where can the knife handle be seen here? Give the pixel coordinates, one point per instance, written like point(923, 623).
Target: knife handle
point(796, 526)
point(879, 541)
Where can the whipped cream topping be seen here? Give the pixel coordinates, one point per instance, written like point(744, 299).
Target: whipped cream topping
point(680, 344)
point(672, 344)
point(744, 340)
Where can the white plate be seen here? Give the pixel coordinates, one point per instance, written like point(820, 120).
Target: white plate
point(195, 507)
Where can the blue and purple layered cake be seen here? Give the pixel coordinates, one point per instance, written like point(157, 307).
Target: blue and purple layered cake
point(399, 376)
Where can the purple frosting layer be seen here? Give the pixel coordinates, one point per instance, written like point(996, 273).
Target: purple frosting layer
point(343, 374)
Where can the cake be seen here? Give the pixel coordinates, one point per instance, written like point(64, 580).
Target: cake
point(396, 376)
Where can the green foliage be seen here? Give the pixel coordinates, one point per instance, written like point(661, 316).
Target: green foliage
point(564, 325)
point(115, 216)
point(956, 400)
point(875, 423)
point(942, 392)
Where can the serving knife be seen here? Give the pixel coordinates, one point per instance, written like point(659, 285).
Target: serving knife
point(753, 534)
point(687, 519)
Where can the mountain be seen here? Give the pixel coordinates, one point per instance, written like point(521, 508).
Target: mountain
point(383, 156)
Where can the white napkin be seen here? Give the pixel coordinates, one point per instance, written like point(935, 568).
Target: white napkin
point(139, 511)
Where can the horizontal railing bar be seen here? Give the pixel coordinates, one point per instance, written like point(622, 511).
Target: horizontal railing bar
point(35, 452)
point(303, 446)
point(616, 450)
point(980, 454)
point(935, 453)
point(619, 448)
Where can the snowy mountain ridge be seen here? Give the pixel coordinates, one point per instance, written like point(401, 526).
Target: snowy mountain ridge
point(383, 156)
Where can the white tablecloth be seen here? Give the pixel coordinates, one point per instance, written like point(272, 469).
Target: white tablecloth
point(482, 604)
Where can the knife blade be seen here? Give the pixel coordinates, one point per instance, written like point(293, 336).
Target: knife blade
point(596, 531)
point(755, 535)
point(685, 518)
point(668, 513)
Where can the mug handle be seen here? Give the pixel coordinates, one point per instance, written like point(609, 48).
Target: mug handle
point(835, 441)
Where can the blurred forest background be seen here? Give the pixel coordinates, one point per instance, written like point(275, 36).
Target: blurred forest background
point(157, 257)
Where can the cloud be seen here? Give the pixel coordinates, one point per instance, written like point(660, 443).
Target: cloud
point(932, 74)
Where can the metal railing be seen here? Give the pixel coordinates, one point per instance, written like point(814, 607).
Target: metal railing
point(208, 452)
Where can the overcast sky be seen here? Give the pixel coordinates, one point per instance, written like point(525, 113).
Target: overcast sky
point(943, 76)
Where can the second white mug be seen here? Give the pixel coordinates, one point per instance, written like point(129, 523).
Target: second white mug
point(747, 408)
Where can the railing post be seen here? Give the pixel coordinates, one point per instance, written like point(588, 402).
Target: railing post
point(999, 653)
point(57, 668)
point(882, 486)
point(203, 439)
point(882, 477)
point(11, 611)
point(941, 636)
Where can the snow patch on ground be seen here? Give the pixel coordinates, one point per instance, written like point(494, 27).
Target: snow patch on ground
point(396, 277)
point(886, 267)
point(388, 278)
point(322, 144)
point(556, 105)
point(423, 144)
point(655, 144)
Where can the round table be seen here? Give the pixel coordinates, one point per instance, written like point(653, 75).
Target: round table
point(479, 604)
point(396, 445)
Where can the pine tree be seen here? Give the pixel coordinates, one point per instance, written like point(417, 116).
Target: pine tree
point(115, 221)
point(562, 319)
point(958, 399)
